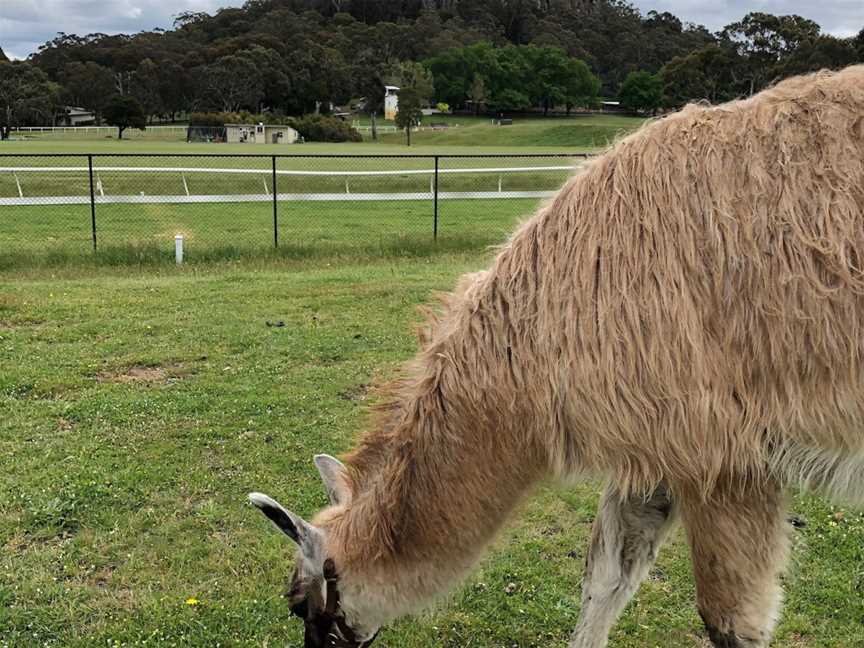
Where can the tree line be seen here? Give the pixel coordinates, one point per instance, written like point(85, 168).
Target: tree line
point(296, 57)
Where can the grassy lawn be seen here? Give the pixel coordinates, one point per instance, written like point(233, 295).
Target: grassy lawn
point(467, 134)
point(140, 407)
point(62, 235)
point(579, 132)
point(140, 402)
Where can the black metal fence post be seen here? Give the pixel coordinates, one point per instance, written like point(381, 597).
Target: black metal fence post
point(92, 200)
point(435, 199)
point(275, 207)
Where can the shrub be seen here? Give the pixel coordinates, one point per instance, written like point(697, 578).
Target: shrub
point(207, 119)
point(243, 117)
point(318, 128)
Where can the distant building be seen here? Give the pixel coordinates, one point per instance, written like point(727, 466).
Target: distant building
point(260, 134)
point(391, 102)
point(75, 116)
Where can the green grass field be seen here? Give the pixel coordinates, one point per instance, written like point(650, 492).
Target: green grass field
point(61, 236)
point(140, 406)
point(140, 402)
point(579, 132)
point(466, 134)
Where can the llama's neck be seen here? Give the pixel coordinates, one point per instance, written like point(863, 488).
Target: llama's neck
point(432, 488)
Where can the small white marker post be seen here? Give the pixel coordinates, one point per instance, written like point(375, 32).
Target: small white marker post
point(178, 249)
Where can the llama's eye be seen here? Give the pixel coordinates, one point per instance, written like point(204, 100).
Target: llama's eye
point(301, 609)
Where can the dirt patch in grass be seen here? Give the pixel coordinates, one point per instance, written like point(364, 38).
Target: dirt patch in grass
point(11, 325)
point(356, 393)
point(101, 578)
point(144, 374)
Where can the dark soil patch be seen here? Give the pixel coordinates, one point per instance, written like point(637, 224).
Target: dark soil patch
point(11, 325)
point(144, 374)
point(357, 393)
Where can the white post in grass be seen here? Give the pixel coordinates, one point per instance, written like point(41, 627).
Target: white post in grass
point(178, 249)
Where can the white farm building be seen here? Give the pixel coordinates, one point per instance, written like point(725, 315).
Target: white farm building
point(260, 134)
point(75, 116)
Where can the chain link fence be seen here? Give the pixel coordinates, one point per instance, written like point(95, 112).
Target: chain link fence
point(125, 205)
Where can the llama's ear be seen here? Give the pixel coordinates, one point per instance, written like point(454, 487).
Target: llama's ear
point(333, 475)
point(295, 527)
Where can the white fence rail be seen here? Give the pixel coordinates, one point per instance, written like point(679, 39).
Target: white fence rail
point(249, 198)
point(287, 172)
point(100, 131)
point(106, 198)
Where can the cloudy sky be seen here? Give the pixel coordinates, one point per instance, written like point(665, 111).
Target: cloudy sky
point(26, 24)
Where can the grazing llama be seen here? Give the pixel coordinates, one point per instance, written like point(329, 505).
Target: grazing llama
point(686, 319)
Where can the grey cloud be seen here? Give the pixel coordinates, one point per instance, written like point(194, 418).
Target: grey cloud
point(27, 24)
point(839, 17)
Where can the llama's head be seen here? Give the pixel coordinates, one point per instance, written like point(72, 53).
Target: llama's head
point(316, 595)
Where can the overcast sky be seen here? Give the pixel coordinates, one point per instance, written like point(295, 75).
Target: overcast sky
point(26, 24)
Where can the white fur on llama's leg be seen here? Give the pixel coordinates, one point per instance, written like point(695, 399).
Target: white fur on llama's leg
point(627, 535)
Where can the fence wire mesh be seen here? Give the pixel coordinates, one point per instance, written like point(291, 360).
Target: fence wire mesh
point(68, 205)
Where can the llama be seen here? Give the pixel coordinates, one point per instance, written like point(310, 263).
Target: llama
point(686, 319)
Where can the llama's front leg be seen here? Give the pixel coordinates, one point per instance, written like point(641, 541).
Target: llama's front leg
point(739, 542)
point(627, 534)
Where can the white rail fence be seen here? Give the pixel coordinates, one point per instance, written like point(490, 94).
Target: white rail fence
point(103, 197)
point(181, 130)
point(105, 131)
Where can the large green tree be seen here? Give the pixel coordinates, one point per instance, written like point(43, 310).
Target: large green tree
point(454, 71)
point(763, 42)
point(410, 112)
point(87, 85)
point(707, 74)
point(548, 74)
point(176, 88)
point(582, 85)
point(418, 78)
point(234, 82)
point(125, 112)
point(145, 87)
point(641, 92)
point(823, 52)
point(513, 77)
point(415, 92)
point(27, 97)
